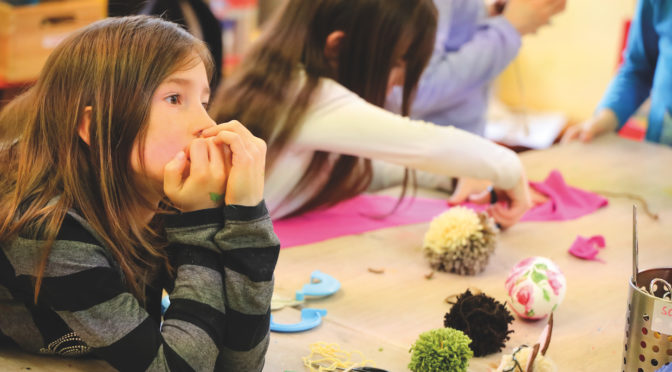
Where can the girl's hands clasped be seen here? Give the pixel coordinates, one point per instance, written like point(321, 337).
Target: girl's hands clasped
point(245, 184)
point(225, 165)
point(194, 179)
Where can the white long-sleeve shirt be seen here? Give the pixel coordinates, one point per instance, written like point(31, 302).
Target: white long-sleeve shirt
point(340, 122)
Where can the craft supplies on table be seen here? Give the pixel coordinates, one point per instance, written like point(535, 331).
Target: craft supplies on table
point(648, 331)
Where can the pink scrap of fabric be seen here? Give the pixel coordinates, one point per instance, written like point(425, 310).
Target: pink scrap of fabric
point(371, 212)
point(587, 248)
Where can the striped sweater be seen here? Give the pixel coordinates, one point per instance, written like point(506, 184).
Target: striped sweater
point(219, 314)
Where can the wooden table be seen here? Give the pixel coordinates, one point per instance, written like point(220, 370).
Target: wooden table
point(383, 314)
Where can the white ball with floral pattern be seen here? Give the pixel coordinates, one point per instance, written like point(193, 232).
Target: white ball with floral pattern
point(536, 287)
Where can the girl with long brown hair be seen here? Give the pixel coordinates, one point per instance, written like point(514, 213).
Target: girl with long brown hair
point(313, 86)
point(110, 194)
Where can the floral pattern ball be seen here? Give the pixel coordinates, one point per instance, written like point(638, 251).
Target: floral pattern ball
point(536, 287)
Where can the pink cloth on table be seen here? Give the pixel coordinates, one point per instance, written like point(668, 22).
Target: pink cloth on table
point(587, 248)
point(352, 217)
point(565, 202)
point(359, 214)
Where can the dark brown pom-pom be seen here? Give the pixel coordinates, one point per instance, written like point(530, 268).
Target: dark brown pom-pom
point(482, 318)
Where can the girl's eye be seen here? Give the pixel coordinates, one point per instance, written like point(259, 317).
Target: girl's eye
point(173, 100)
point(206, 105)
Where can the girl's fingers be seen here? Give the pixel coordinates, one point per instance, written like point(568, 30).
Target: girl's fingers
point(505, 211)
point(236, 144)
point(480, 198)
point(503, 222)
point(255, 146)
point(510, 214)
point(232, 126)
point(228, 161)
point(503, 217)
point(198, 152)
point(172, 173)
point(217, 166)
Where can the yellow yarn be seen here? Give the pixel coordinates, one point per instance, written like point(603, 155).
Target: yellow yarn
point(452, 229)
point(326, 357)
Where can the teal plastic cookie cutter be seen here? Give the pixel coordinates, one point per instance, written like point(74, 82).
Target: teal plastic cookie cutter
point(310, 318)
point(320, 285)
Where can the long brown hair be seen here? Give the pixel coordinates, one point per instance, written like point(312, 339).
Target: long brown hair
point(377, 34)
point(113, 66)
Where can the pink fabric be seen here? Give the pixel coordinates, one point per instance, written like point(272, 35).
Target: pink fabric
point(565, 202)
point(587, 248)
point(352, 217)
point(362, 213)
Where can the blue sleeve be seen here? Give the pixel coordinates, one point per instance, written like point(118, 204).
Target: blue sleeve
point(632, 84)
point(454, 70)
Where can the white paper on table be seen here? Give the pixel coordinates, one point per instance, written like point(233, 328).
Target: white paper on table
point(536, 131)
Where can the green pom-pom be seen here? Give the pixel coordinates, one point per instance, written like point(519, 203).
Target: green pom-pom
point(440, 350)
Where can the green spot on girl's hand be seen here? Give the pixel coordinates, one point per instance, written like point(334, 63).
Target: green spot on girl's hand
point(215, 197)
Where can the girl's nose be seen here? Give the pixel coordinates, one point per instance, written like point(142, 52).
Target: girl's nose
point(202, 121)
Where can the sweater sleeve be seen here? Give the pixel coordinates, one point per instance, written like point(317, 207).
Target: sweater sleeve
point(632, 84)
point(341, 122)
point(455, 70)
point(218, 318)
point(247, 250)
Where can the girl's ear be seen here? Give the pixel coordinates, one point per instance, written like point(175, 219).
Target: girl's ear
point(332, 47)
point(84, 125)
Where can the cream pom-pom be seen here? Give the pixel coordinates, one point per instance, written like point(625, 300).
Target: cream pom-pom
point(460, 241)
point(541, 363)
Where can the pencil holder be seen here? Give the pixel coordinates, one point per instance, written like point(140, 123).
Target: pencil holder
point(648, 332)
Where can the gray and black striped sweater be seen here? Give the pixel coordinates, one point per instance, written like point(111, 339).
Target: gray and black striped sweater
point(219, 314)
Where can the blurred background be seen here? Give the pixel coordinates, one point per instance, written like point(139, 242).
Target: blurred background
point(561, 71)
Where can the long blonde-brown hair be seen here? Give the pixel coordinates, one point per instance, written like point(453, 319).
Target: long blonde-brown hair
point(113, 66)
point(378, 33)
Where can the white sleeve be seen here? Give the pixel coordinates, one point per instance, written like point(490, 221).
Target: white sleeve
point(387, 175)
point(339, 121)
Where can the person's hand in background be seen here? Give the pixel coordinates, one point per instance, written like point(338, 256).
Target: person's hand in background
point(605, 121)
point(527, 16)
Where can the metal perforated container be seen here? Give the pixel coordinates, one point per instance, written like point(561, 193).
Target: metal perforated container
point(648, 338)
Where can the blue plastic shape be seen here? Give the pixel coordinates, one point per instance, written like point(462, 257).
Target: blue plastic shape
point(320, 284)
point(310, 318)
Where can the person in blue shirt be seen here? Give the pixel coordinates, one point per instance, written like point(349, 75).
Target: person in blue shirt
point(473, 45)
point(646, 72)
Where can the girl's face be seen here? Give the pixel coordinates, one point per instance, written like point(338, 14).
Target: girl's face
point(177, 116)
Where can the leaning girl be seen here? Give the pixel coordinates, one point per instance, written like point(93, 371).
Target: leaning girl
point(313, 86)
point(110, 194)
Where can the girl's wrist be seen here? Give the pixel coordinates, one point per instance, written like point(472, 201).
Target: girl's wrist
point(245, 202)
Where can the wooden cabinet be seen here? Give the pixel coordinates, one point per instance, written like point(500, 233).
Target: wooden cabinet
point(29, 33)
